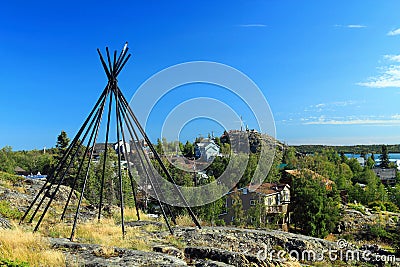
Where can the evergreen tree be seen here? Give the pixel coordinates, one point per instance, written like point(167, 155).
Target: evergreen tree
point(62, 141)
point(384, 157)
point(188, 150)
point(159, 147)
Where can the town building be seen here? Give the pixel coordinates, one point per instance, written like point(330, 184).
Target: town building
point(387, 176)
point(272, 200)
point(206, 150)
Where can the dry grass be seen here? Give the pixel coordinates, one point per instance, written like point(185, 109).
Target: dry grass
point(106, 233)
point(185, 220)
point(27, 247)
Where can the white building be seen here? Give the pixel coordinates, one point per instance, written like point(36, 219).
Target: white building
point(206, 149)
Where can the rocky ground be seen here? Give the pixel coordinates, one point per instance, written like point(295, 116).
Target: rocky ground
point(209, 246)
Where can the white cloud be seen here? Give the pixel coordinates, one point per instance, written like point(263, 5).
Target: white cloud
point(356, 26)
point(394, 32)
point(330, 105)
point(351, 26)
point(395, 58)
point(392, 121)
point(252, 25)
point(396, 116)
point(390, 77)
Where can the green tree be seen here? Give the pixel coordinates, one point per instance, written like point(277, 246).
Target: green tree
point(62, 141)
point(7, 163)
point(343, 157)
point(159, 147)
point(315, 209)
point(290, 158)
point(343, 181)
point(384, 157)
point(237, 206)
point(188, 149)
point(370, 162)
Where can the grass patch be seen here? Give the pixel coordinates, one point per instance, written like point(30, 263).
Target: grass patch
point(4, 176)
point(18, 248)
point(11, 263)
point(185, 220)
point(9, 212)
point(105, 233)
point(174, 241)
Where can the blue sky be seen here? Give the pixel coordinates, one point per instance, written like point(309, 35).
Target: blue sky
point(330, 70)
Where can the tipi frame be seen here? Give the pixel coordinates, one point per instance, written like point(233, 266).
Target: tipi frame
point(123, 116)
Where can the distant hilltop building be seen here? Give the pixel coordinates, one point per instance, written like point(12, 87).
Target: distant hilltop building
point(206, 150)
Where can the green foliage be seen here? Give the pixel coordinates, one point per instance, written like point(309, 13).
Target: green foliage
point(188, 150)
point(238, 213)
point(315, 209)
point(289, 158)
point(9, 212)
point(62, 141)
point(384, 157)
point(384, 206)
point(35, 161)
point(13, 263)
point(159, 147)
point(357, 149)
point(7, 163)
point(379, 232)
point(4, 176)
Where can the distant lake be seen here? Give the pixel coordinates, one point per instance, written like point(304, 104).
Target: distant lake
point(392, 156)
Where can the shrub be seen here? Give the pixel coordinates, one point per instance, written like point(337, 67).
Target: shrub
point(383, 206)
point(10, 177)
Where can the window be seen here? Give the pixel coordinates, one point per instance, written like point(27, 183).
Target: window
point(253, 202)
point(244, 191)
